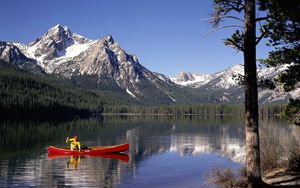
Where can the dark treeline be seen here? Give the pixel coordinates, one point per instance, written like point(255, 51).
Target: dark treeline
point(218, 109)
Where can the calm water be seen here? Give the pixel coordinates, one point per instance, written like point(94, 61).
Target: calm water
point(165, 151)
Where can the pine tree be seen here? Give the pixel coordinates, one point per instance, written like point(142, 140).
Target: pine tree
point(284, 35)
point(279, 24)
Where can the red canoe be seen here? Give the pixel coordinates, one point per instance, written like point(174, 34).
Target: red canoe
point(91, 151)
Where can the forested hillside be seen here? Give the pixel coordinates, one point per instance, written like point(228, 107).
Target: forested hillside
point(25, 94)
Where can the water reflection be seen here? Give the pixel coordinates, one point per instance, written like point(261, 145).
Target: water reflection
point(73, 162)
point(178, 148)
point(118, 156)
point(231, 148)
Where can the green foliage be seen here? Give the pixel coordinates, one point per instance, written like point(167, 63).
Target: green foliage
point(282, 28)
point(266, 83)
point(291, 77)
point(236, 40)
point(291, 109)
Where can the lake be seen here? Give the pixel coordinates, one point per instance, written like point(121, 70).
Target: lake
point(165, 151)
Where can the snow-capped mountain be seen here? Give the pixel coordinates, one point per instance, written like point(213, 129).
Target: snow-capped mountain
point(224, 79)
point(56, 46)
point(59, 51)
point(226, 85)
point(192, 79)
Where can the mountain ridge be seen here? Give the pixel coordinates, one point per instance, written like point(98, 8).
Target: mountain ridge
point(228, 84)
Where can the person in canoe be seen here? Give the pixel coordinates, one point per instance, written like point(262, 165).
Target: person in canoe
point(74, 143)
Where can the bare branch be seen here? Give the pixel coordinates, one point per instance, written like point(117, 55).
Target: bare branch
point(221, 17)
point(224, 27)
point(222, 8)
point(237, 51)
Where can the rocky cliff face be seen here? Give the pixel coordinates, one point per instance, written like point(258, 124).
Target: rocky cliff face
point(12, 54)
point(185, 76)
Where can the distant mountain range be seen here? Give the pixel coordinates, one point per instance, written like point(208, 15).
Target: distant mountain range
point(226, 85)
point(103, 65)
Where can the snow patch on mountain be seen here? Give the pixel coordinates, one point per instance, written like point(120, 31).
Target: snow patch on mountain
point(295, 93)
point(73, 50)
point(172, 98)
point(130, 93)
point(271, 72)
point(227, 78)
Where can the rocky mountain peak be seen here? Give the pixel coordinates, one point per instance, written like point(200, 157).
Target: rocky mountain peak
point(185, 76)
point(52, 44)
point(109, 39)
point(57, 32)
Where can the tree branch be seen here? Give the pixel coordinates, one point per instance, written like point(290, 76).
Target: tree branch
point(236, 45)
point(237, 6)
point(260, 37)
point(224, 27)
point(261, 18)
point(263, 33)
point(220, 17)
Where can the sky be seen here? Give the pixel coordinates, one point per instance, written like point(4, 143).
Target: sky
point(167, 36)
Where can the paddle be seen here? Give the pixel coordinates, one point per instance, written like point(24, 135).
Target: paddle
point(74, 119)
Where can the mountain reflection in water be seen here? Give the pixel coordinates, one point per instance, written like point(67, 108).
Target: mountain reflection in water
point(164, 150)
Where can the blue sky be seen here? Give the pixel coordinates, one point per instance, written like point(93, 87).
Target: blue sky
point(166, 35)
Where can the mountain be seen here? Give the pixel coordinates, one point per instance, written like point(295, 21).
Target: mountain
point(102, 66)
point(220, 80)
point(94, 64)
point(225, 86)
point(192, 79)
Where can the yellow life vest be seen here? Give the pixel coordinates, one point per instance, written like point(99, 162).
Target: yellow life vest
point(74, 145)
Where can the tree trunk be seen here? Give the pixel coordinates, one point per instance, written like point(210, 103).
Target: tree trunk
point(251, 103)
